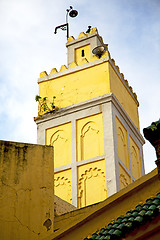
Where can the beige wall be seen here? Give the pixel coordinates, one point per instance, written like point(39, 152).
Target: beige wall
point(26, 191)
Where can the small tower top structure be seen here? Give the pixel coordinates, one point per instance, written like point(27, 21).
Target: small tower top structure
point(82, 46)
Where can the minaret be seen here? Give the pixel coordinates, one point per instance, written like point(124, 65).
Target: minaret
point(94, 126)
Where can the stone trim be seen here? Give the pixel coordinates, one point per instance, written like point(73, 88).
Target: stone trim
point(79, 163)
point(109, 97)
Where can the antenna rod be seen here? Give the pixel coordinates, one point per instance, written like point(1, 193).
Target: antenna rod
point(72, 13)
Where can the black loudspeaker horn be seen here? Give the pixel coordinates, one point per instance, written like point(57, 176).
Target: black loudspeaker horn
point(98, 51)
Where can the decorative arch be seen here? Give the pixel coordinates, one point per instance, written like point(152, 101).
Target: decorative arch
point(91, 187)
point(60, 141)
point(63, 188)
point(123, 181)
point(123, 147)
point(59, 134)
point(135, 163)
point(90, 140)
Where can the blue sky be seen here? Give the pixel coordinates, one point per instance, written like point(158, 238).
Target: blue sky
point(28, 46)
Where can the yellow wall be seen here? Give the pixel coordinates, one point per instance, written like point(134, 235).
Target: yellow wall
point(123, 95)
point(90, 141)
point(26, 191)
point(60, 138)
point(81, 53)
point(89, 83)
point(91, 183)
point(78, 86)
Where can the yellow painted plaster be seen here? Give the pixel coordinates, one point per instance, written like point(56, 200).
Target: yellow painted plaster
point(91, 183)
point(63, 185)
point(60, 138)
point(122, 141)
point(26, 191)
point(82, 34)
point(90, 140)
point(135, 159)
point(123, 96)
point(63, 67)
point(73, 64)
point(77, 86)
point(124, 178)
point(70, 39)
point(43, 74)
point(53, 71)
point(81, 53)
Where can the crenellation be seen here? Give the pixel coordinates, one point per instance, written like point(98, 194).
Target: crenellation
point(122, 75)
point(113, 60)
point(117, 68)
point(70, 39)
point(43, 74)
point(54, 70)
point(135, 95)
point(82, 34)
point(126, 82)
point(131, 89)
point(73, 64)
point(63, 67)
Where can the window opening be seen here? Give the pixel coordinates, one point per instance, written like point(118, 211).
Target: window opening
point(83, 53)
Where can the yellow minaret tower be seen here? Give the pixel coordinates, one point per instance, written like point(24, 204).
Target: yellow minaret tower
point(94, 126)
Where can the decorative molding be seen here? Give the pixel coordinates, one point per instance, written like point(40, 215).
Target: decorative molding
point(60, 181)
point(106, 98)
point(58, 135)
point(89, 126)
point(123, 180)
point(82, 182)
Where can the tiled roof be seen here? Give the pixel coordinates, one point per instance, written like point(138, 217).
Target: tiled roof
point(130, 221)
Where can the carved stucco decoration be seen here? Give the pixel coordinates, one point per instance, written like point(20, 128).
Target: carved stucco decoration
point(88, 175)
point(123, 180)
point(89, 127)
point(65, 182)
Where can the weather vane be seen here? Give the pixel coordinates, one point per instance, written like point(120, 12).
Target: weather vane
point(72, 13)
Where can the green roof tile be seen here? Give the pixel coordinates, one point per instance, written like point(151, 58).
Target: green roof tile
point(142, 213)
